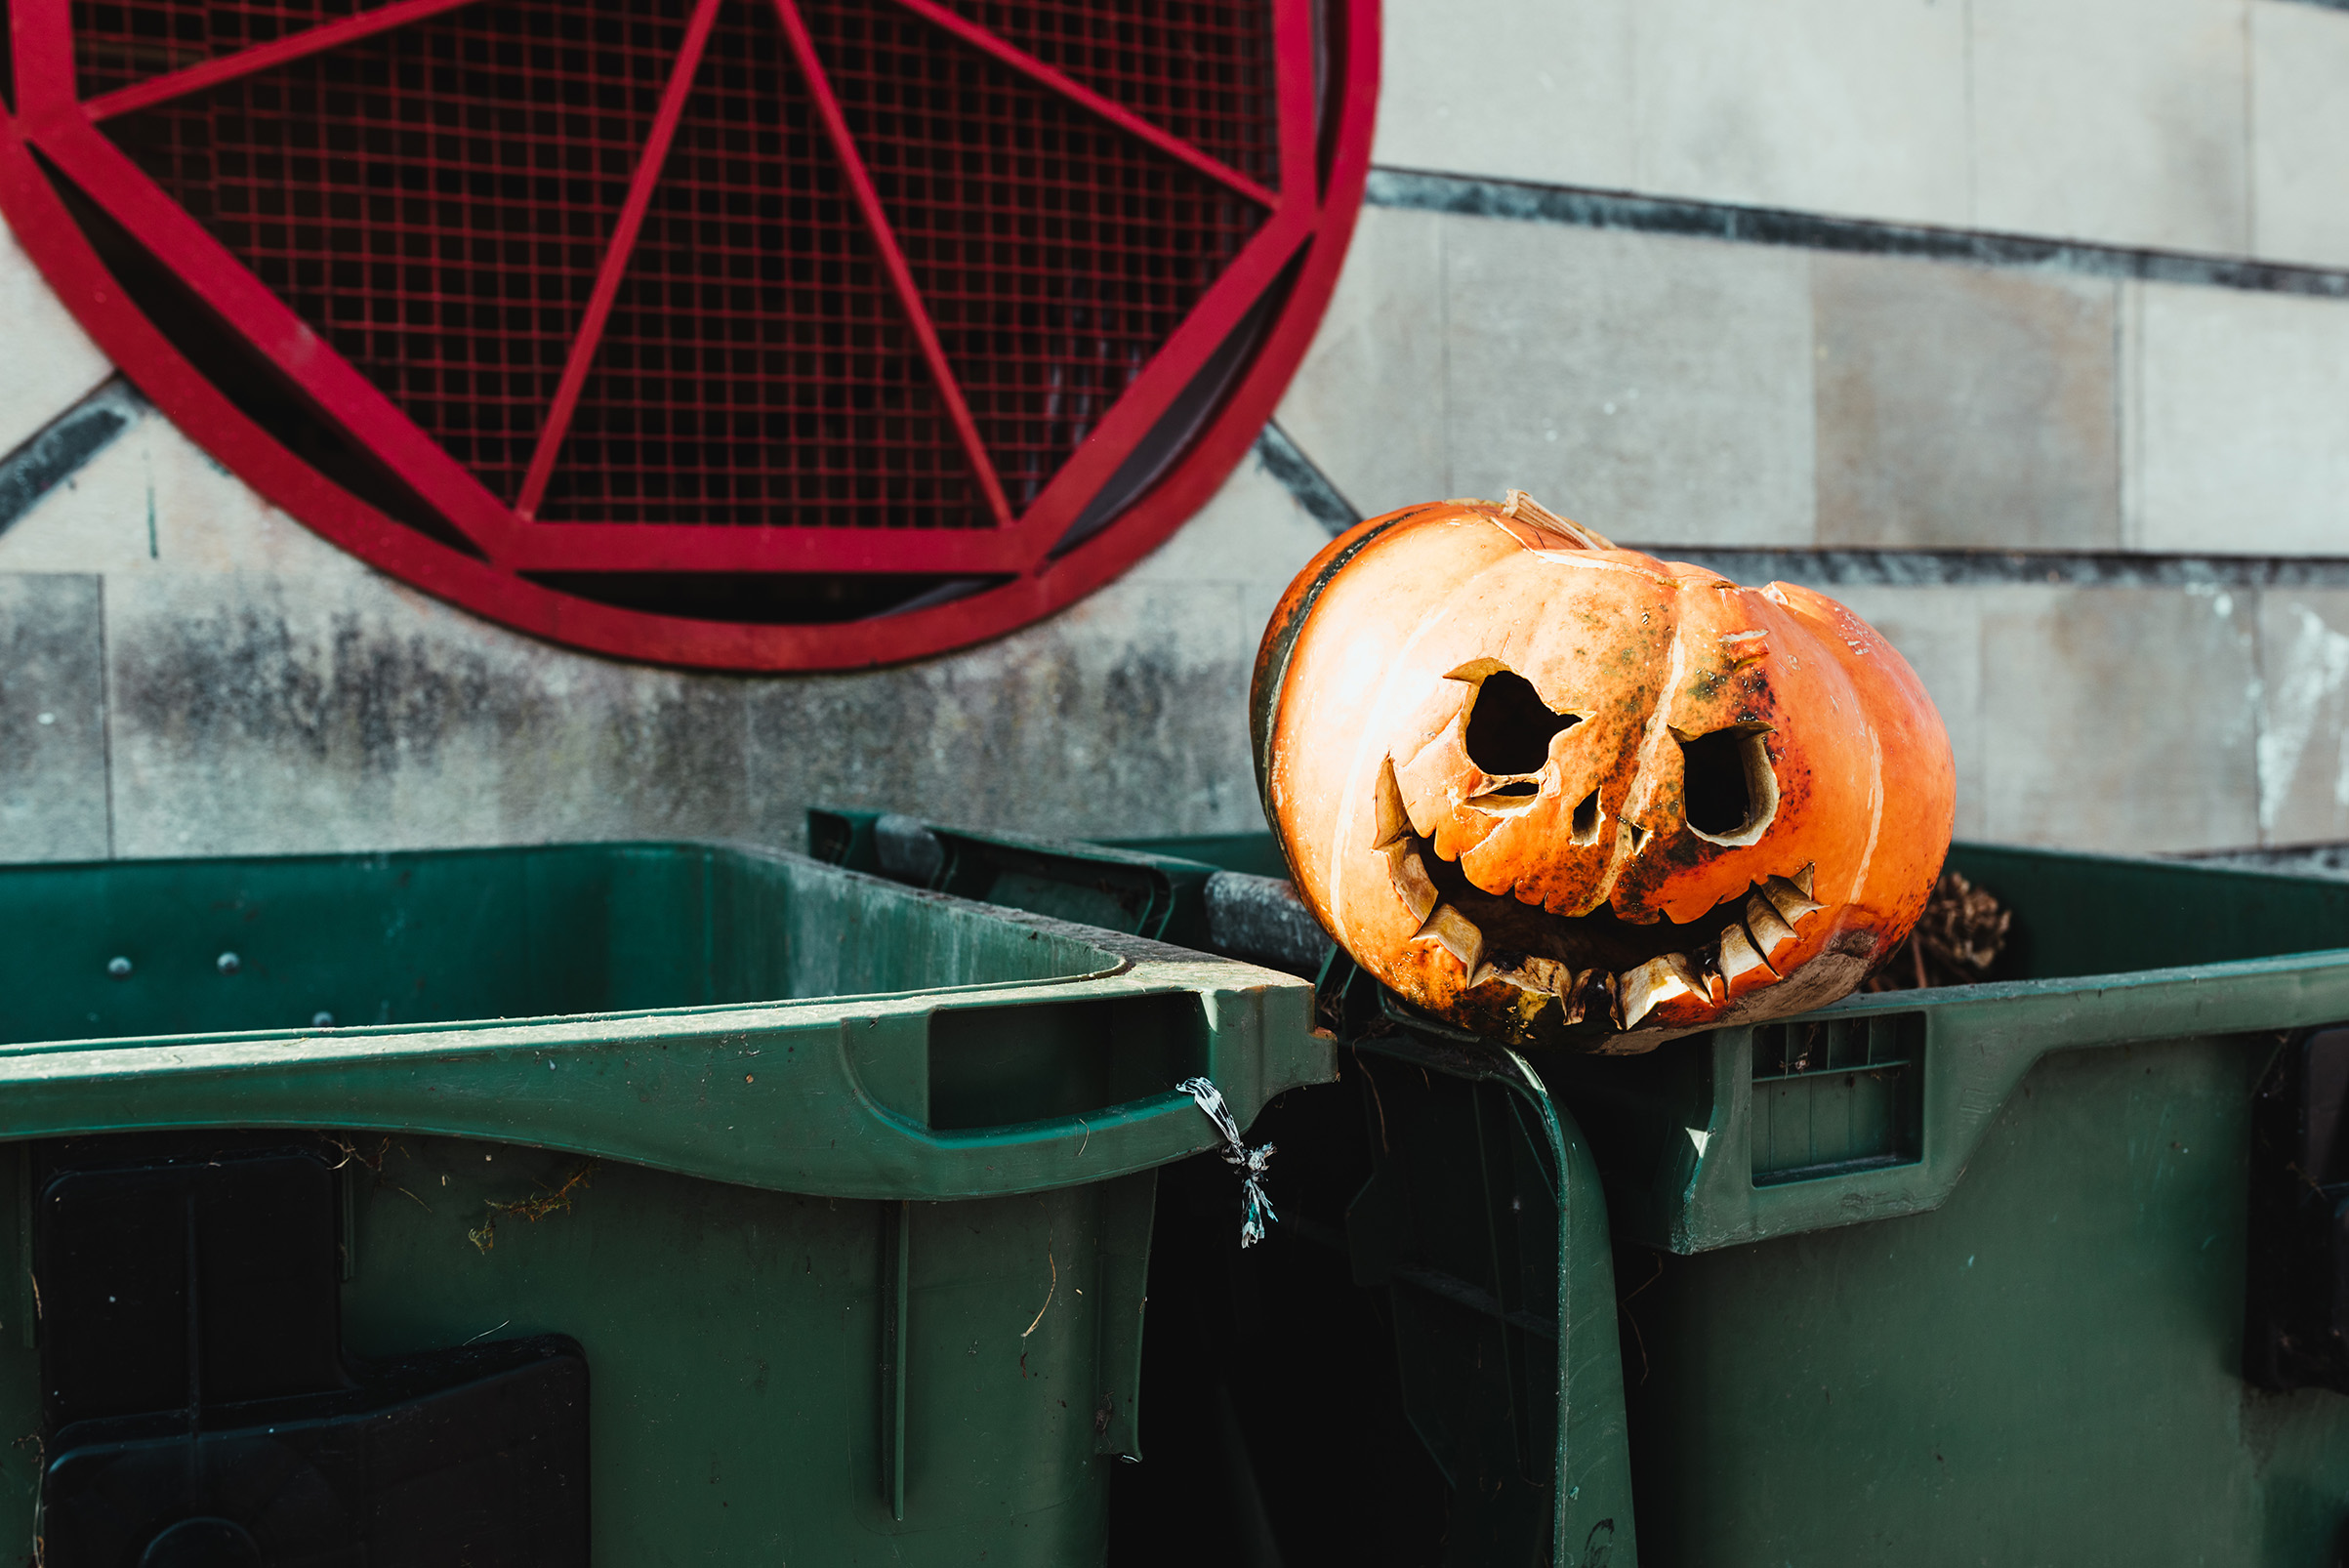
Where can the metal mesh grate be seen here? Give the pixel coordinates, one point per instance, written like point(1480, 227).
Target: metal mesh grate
point(1201, 71)
point(756, 368)
point(1057, 254)
point(895, 284)
point(433, 200)
point(118, 42)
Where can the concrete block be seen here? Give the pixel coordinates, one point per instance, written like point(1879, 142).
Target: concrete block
point(260, 713)
point(1253, 538)
point(1252, 531)
point(2120, 121)
point(1656, 387)
point(1939, 632)
point(1126, 713)
point(2239, 421)
point(263, 713)
point(1964, 408)
point(1509, 90)
point(153, 502)
point(53, 718)
point(2120, 719)
point(2299, 125)
point(2303, 748)
point(1854, 106)
point(1367, 404)
point(50, 362)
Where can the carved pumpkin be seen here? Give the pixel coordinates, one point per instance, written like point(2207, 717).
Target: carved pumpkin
point(1554, 791)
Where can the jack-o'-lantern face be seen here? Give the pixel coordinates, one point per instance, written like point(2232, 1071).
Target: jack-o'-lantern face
point(1544, 787)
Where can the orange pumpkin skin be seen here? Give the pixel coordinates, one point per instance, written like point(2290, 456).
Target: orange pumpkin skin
point(1556, 792)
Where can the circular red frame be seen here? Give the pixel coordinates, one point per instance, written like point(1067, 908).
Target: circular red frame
point(1325, 55)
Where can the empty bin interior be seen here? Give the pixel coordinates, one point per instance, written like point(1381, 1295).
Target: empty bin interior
point(118, 949)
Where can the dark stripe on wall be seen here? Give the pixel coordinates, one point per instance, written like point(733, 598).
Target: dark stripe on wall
point(1963, 568)
point(1312, 490)
point(60, 449)
point(1304, 479)
point(1417, 191)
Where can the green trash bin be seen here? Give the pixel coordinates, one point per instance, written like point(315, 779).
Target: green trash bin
point(658, 1203)
point(1993, 1273)
point(1420, 1365)
point(2053, 1269)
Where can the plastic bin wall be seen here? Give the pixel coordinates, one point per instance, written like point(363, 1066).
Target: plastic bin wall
point(1950, 1276)
point(841, 1193)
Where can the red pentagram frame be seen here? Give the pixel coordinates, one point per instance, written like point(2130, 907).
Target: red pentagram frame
point(1324, 61)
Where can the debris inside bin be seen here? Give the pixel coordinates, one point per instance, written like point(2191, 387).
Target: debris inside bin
point(1955, 941)
point(535, 1208)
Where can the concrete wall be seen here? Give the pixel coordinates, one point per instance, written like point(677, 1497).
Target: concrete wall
point(2197, 125)
point(1878, 369)
point(189, 672)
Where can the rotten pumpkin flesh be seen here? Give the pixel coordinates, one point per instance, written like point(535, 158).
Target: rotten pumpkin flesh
point(1551, 790)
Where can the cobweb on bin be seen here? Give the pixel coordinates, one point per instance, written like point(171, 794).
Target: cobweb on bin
point(756, 368)
point(433, 200)
point(1199, 69)
point(1055, 253)
point(119, 42)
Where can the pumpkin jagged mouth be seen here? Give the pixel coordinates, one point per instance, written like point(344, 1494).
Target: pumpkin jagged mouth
point(1600, 965)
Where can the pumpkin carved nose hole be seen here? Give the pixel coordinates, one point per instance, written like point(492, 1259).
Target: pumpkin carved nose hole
point(1585, 819)
point(1522, 788)
point(1510, 726)
point(1729, 793)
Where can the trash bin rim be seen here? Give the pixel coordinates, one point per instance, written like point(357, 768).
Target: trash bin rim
point(830, 1133)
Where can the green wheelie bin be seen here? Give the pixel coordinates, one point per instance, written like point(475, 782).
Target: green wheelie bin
point(2053, 1269)
point(645, 1204)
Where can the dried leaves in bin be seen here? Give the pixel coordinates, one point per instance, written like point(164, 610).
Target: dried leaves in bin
point(1955, 941)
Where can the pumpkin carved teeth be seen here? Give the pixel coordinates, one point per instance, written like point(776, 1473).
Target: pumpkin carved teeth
point(1412, 883)
point(1741, 959)
point(1458, 935)
point(1394, 823)
point(1792, 899)
point(1751, 945)
point(1659, 980)
point(1770, 930)
point(1544, 975)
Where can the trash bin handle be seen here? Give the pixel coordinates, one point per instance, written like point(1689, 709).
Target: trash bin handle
point(1100, 1142)
point(887, 1061)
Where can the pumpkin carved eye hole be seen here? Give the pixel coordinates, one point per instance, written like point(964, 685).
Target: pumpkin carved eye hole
point(1729, 792)
point(1510, 728)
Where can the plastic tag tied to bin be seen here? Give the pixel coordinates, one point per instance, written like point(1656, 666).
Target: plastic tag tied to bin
point(1255, 1209)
